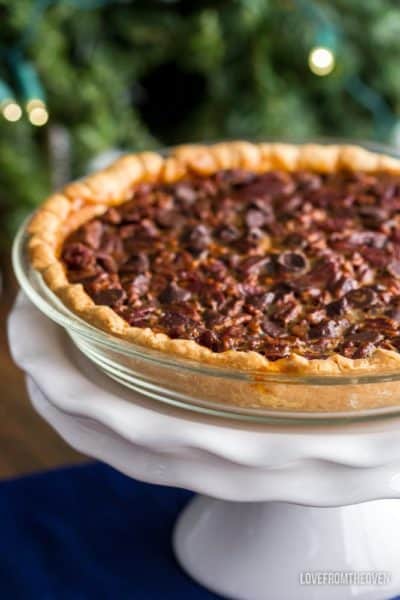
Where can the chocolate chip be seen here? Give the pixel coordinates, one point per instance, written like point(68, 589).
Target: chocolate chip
point(213, 318)
point(166, 218)
point(174, 293)
point(271, 328)
point(185, 193)
point(393, 311)
point(253, 264)
point(264, 205)
point(147, 230)
point(394, 267)
point(78, 256)
point(368, 238)
point(109, 297)
point(344, 285)
point(316, 316)
point(308, 181)
point(286, 311)
point(290, 205)
point(361, 298)
point(178, 324)
point(234, 177)
point(294, 262)
point(338, 307)
point(261, 301)
point(254, 235)
point(197, 239)
point(209, 339)
point(139, 285)
point(138, 317)
point(137, 263)
point(216, 269)
point(295, 240)
point(254, 218)
point(228, 233)
point(326, 329)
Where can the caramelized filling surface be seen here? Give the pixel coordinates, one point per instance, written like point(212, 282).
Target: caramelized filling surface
point(276, 263)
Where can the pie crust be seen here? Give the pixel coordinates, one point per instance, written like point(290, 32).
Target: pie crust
point(82, 200)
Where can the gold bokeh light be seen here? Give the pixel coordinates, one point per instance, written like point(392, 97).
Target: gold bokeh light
point(34, 103)
point(321, 61)
point(38, 115)
point(11, 111)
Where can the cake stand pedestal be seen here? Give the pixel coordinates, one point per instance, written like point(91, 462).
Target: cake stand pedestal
point(286, 513)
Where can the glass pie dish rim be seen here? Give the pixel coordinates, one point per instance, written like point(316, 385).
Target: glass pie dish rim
point(48, 303)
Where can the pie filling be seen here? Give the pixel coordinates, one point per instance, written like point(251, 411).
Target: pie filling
point(277, 263)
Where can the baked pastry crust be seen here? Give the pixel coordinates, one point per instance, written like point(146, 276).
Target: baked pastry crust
point(80, 201)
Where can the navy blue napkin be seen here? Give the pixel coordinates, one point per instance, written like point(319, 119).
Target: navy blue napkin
point(88, 532)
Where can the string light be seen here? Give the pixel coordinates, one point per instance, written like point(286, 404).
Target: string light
point(321, 61)
point(34, 103)
point(38, 116)
point(37, 112)
point(11, 111)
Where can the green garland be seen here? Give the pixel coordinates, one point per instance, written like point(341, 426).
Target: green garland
point(238, 68)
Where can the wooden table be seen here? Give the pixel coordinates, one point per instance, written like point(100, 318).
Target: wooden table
point(27, 443)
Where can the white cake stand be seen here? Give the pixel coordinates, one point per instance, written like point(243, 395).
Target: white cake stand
point(280, 507)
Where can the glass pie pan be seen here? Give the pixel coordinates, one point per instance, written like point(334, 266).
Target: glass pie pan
point(246, 395)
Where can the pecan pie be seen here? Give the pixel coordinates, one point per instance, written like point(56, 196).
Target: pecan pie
point(266, 257)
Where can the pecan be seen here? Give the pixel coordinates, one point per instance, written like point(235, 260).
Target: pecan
point(368, 238)
point(364, 350)
point(286, 311)
point(376, 257)
point(78, 256)
point(365, 335)
point(344, 285)
point(107, 262)
point(92, 233)
point(261, 301)
point(138, 286)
